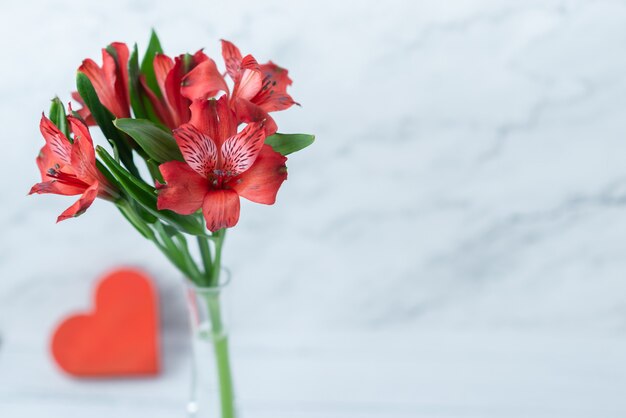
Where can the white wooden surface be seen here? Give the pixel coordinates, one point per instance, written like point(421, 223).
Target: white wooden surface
point(358, 376)
point(452, 246)
point(294, 373)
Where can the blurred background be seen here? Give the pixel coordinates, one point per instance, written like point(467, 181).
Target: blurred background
point(451, 246)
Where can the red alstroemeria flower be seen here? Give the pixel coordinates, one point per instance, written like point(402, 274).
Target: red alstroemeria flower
point(173, 108)
point(220, 166)
point(110, 81)
point(69, 168)
point(258, 88)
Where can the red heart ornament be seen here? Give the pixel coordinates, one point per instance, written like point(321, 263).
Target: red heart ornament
point(120, 337)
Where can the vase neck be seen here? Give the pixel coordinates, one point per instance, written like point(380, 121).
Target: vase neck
point(212, 387)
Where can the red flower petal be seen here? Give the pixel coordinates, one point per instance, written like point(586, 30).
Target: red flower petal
point(240, 151)
point(249, 112)
point(197, 58)
point(273, 95)
point(56, 141)
point(162, 67)
point(232, 59)
point(83, 155)
point(214, 118)
point(81, 204)
point(45, 160)
point(80, 130)
point(121, 75)
point(250, 79)
point(177, 103)
point(173, 108)
point(111, 81)
point(261, 182)
point(104, 89)
point(221, 209)
point(204, 81)
point(56, 187)
point(184, 190)
point(198, 149)
point(161, 109)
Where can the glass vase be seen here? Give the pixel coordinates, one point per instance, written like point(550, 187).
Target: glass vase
point(212, 394)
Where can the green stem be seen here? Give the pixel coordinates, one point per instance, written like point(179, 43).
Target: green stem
point(177, 254)
point(191, 264)
point(205, 253)
point(225, 378)
point(173, 259)
point(217, 263)
point(219, 335)
point(222, 356)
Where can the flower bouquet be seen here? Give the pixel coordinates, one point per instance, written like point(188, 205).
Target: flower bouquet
point(204, 143)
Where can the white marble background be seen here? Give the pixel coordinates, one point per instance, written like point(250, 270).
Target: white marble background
point(451, 246)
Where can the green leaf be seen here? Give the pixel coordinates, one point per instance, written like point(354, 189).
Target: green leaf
point(133, 186)
point(144, 214)
point(179, 255)
point(104, 119)
point(58, 117)
point(286, 144)
point(139, 100)
point(159, 144)
point(146, 196)
point(135, 220)
point(135, 91)
point(153, 168)
point(101, 114)
point(147, 64)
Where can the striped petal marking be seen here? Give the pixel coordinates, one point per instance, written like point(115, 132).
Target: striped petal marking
point(198, 149)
